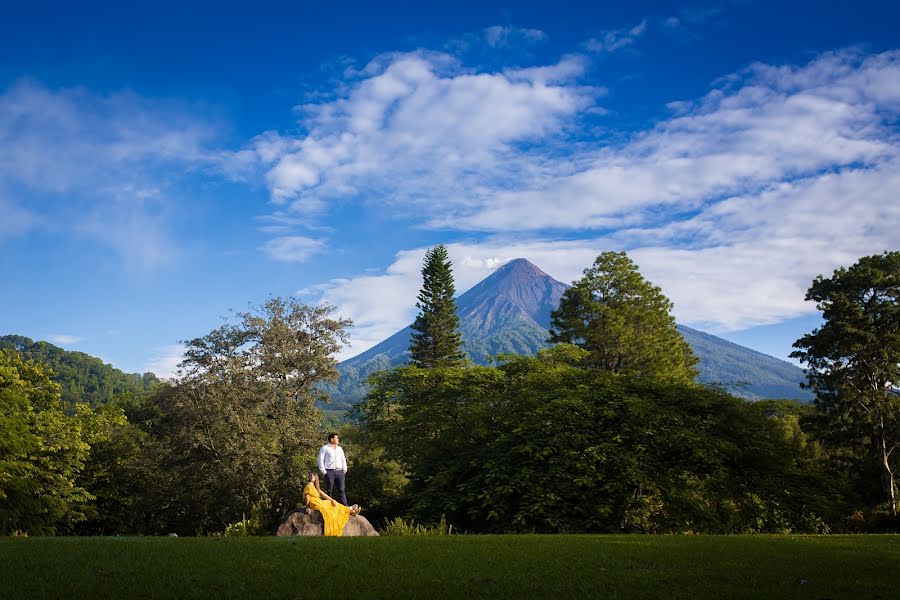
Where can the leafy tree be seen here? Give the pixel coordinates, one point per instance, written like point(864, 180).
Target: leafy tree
point(436, 341)
point(624, 321)
point(546, 444)
point(854, 357)
point(378, 482)
point(41, 451)
point(239, 427)
point(114, 472)
point(433, 422)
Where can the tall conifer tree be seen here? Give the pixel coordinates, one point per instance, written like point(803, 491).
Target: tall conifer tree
point(436, 340)
point(854, 356)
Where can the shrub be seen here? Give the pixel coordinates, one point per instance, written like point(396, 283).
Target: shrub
point(401, 526)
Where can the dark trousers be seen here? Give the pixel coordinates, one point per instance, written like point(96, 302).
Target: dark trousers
point(335, 478)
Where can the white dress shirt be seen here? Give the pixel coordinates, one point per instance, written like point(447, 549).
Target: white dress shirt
point(332, 457)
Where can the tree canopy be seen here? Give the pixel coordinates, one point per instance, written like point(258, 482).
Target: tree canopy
point(41, 451)
point(547, 444)
point(436, 340)
point(623, 321)
point(854, 357)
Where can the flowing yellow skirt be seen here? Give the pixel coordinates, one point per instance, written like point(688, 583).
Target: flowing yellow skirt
point(335, 516)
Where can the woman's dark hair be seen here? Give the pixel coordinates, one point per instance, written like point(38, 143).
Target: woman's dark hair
point(314, 472)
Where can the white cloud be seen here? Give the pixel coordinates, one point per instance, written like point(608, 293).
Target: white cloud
point(292, 248)
point(476, 151)
point(732, 205)
point(759, 254)
point(499, 36)
point(616, 39)
point(164, 361)
point(63, 339)
point(99, 166)
point(418, 129)
point(70, 139)
point(762, 126)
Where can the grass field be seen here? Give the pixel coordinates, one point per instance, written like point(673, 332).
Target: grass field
point(527, 566)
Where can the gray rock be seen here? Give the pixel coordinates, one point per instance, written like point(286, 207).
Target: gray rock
point(301, 523)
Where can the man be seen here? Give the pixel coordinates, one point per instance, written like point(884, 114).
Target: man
point(333, 465)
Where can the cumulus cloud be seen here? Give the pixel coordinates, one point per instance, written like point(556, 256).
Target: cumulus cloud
point(419, 129)
point(474, 151)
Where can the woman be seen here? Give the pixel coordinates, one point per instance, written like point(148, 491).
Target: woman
point(335, 514)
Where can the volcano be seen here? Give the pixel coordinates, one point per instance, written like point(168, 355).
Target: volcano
point(509, 311)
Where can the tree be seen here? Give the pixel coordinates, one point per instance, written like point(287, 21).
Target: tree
point(41, 451)
point(624, 321)
point(543, 444)
point(239, 427)
point(436, 341)
point(854, 357)
point(112, 472)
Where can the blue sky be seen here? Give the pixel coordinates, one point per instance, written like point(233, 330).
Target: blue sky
point(160, 164)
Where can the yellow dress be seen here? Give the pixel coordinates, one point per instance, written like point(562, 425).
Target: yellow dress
point(335, 516)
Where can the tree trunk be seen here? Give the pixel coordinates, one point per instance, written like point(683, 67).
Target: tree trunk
point(887, 473)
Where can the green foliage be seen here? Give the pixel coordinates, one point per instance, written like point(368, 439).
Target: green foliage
point(432, 422)
point(854, 360)
point(407, 527)
point(376, 482)
point(546, 444)
point(624, 321)
point(82, 378)
point(239, 428)
point(42, 451)
point(243, 528)
point(436, 341)
point(115, 471)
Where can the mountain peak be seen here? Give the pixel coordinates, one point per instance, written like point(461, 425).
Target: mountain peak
point(517, 290)
point(519, 268)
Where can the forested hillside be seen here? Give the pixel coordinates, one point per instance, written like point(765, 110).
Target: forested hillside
point(83, 378)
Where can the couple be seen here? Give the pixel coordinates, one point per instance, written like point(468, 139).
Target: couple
point(332, 464)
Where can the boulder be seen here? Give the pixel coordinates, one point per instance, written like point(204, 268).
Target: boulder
point(300, 522)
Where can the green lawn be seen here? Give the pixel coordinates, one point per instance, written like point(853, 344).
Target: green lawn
point(566, 567)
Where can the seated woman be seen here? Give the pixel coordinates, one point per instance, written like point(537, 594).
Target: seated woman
point(334, 514)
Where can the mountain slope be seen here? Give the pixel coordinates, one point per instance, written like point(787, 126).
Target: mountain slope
point(743, 371)
point(509, 313)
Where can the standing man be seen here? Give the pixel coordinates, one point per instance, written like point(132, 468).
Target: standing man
point(333, 465)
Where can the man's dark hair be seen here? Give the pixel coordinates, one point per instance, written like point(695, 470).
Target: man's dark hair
point(331, 436)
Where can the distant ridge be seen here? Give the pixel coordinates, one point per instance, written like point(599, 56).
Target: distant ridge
point(82, 377)
point(509, 311)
